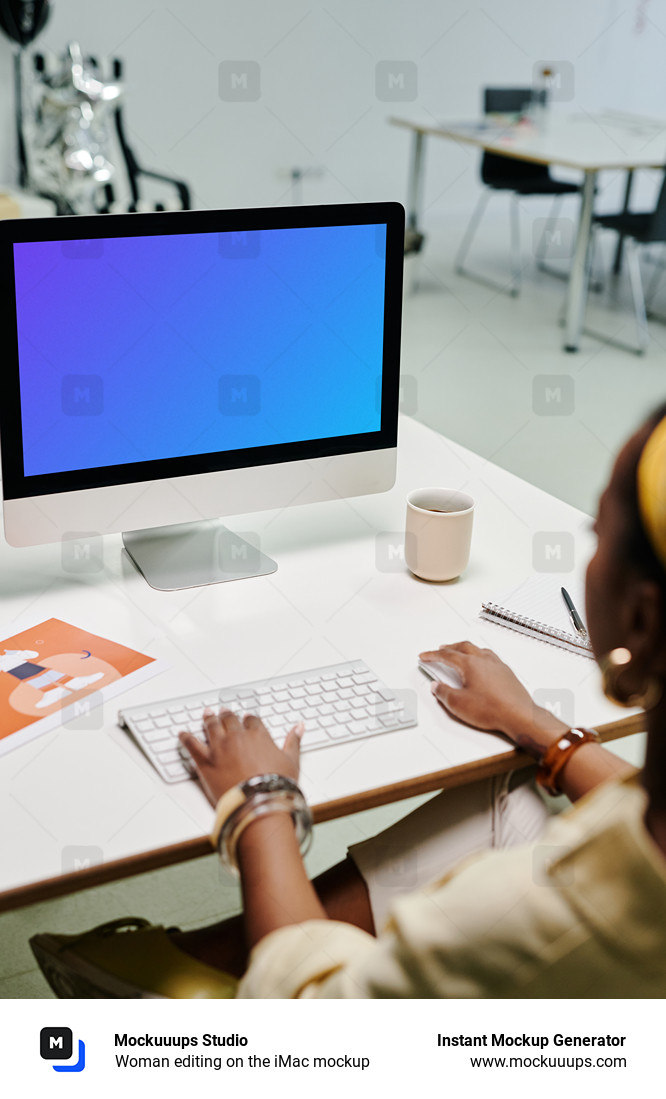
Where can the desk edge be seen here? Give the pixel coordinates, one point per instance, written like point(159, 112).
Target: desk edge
point(157, 859)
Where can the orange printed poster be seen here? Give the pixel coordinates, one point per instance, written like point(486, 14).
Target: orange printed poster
point(49, 672)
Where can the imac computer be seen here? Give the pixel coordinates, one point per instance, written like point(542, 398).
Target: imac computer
point(166, 370)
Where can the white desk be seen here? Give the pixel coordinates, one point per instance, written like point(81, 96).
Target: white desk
point(328, 601)
point(587, 143)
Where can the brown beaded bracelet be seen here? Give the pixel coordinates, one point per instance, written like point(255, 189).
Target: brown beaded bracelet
point(557, 755)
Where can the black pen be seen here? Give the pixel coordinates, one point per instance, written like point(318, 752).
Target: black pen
point(573, 614)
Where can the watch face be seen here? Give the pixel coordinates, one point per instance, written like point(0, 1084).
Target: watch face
point(268, 784)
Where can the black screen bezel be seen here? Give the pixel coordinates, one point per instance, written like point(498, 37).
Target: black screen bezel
point(17, 486)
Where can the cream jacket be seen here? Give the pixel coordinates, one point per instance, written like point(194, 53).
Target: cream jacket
point(581, 913)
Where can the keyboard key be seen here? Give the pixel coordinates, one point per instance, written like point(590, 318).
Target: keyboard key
point(329, 696)
point(195, 709)
point(295, 682)
point(163, 722)
point(363, 677)
point(297, 692)
point(345, 681)
point(346, 692)
point(357, 727)
point(314, 688)
point(327, 720)
point(325, 708)
point(308, 712)
point(329, 675)
point(144, 726)
point(225, 704)
point(156, 713)
point(158, 746)
point(154, 737)
point(281, 696)
point(179, 718)
point(177, 770)
point(314, 736)
point(386, 707)
point(363, 689)
point(342, 705)
point(358, 714)
point(338, 732)
point(386, 693)
point(389, 720)
point(281, 707)
point(170, 757)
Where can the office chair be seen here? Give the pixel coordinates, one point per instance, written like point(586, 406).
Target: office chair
point(134, 169)
point(639, 230)
point(520, 178)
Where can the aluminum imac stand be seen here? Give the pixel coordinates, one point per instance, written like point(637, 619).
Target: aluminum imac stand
point(191, 555)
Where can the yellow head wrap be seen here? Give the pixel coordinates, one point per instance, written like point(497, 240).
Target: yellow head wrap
point(651, 486)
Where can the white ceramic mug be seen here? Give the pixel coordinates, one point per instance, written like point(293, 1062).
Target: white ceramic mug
point(438, 532)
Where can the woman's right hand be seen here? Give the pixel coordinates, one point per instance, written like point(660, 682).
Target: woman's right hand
point(492, 697)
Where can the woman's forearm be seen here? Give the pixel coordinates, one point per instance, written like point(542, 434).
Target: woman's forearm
point(587, 767)
point(276, 889)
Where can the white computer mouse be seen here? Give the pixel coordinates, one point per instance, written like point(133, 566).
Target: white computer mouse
point(441, 673)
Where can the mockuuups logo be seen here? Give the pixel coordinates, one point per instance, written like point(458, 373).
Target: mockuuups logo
point(56, 1044)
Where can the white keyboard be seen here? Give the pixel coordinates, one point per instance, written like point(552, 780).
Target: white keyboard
point(339, 703)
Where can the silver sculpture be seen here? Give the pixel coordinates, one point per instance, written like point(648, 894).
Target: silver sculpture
point(67, 131)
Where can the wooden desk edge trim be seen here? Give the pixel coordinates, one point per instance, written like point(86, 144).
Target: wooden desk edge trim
point(161, 857)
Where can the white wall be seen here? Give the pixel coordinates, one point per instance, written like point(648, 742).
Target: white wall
point(318, 105)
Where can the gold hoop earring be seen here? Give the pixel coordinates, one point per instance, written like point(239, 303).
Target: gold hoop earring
point(612, 665)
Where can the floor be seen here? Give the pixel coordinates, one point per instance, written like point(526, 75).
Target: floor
point(478, 366)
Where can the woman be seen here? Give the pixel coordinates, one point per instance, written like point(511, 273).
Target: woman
point(579, 913)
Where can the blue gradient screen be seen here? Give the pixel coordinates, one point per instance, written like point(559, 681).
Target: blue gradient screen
point(140, 348)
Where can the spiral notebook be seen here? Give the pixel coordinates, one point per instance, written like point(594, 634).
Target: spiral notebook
point(536, 608)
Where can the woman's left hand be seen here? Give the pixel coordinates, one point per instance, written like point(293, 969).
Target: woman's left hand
point(237, 750)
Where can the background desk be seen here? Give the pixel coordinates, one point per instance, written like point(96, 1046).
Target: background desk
point(340, 593)
point(583, 142)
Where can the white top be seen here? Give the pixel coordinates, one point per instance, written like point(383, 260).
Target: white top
point(339, 593)
point(12, 658)
point(579, 913)
point(585, 141)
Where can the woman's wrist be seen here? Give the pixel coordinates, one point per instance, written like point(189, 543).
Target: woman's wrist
point(266, 833)
point(535, 732)
point(268, 795)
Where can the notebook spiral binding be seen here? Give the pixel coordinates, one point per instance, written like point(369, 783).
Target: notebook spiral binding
point(492, 612)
